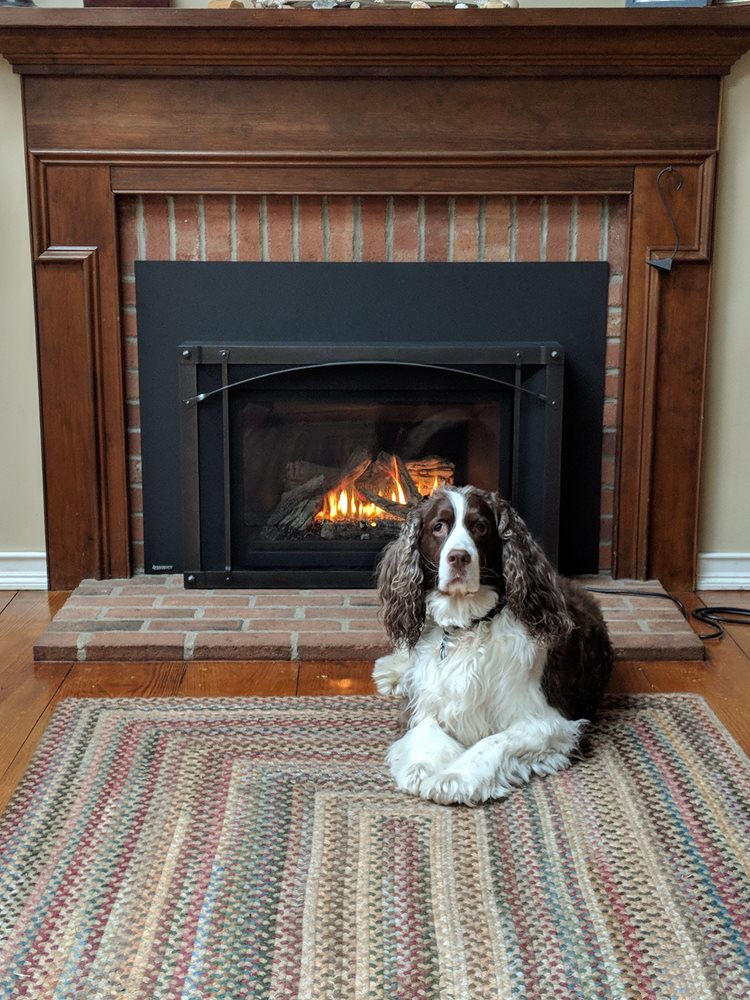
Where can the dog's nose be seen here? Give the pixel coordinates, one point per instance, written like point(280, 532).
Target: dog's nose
point(458, 558)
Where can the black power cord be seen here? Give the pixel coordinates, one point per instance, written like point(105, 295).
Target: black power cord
point(708, 616)
point(713, 616)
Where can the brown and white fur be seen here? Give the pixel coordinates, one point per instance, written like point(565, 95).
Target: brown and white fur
point(501, 660)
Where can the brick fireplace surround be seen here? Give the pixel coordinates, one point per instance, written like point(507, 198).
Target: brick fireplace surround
point(371, 135)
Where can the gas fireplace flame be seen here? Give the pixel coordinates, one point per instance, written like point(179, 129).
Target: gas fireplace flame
point(346, 503)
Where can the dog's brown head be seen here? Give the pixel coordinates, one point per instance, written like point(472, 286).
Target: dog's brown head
point(455, 541)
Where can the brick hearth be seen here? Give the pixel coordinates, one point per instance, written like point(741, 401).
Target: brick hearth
point(154, 618)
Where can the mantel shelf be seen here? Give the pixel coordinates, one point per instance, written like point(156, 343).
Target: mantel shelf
point(598, 42)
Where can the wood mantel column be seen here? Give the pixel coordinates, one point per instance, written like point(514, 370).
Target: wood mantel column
point(80, 372)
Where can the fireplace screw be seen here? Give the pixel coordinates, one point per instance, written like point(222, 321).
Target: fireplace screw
point(554, 355)
point(190, 579)
point(187, 354)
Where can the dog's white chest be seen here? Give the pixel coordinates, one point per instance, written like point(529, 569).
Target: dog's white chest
point(476, 681)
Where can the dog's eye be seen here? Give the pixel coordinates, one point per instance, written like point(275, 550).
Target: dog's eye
point(479, 528)
point(437, 527)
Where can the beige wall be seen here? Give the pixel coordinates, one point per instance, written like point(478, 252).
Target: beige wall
point(21, 515)
point(725, 501)
point(725, 523)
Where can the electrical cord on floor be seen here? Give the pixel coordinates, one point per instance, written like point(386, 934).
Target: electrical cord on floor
point(713, 616)
point(708, 616)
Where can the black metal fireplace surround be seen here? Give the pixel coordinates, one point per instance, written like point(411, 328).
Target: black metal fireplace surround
point(289, 412)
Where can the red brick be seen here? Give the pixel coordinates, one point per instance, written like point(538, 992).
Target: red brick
point(133, 413)
point(615, 296)
point(132, 386)
point(611, 386)
point(57, 646)
point(127, 292)
point(281, 617)
point(137, 556)
point(156, 624)
point(136, 527)
point(405, 229)
point(341, 229)
point(248, 227)
point(216, 217)
point(614, 324)
point(310, 216)
point(144, 611)
point(607, 501)
point(366, 598)
point(618, 234)
point(343, 646)
point(279, 222)
point(558, 229)
point(135, 646)
point(528, 229)
point(198, 598)
point(466, 229)
point(186, 227)
point(130, 353)
point(610, 414)
point(373, 215)
point(243, 646)
point(436, 229)
point(318, 625)
point(128, 234)
point(135, 496)
point(497, 229)
point(588, 228)
point(342, 614)
point(156, 226)
point(613, 354)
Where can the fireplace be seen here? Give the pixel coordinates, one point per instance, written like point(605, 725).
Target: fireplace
point(322, 400)
point(510, 108)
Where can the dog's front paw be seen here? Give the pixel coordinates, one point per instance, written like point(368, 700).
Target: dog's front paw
point(388, 672)
point(452, 788)
point(412, 778)
point(550, 763)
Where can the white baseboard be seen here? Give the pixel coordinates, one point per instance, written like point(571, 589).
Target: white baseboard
point(23, 571)
point(723, 571)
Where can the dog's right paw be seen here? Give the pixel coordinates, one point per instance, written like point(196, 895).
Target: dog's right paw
point(388, 673)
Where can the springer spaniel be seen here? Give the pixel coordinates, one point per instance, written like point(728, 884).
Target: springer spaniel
point(502, 662)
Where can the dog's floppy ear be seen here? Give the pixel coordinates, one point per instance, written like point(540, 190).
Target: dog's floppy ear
point(401, 584)
point(531, 589)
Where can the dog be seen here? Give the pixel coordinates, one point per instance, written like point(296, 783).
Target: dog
point(501, 661)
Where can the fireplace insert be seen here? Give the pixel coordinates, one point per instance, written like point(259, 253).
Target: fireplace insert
point(286, 407)
point(300, 464)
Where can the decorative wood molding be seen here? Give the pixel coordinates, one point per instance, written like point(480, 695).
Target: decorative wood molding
point(430, 43)
point(355, 102)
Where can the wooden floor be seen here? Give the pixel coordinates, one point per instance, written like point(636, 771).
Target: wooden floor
point(29, 692)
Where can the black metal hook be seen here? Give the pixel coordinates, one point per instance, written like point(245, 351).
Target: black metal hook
point(665, 263)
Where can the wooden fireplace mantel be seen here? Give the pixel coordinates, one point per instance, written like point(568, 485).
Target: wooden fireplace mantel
point(389, 102)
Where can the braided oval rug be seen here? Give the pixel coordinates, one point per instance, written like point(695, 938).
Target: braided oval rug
point(230, 848)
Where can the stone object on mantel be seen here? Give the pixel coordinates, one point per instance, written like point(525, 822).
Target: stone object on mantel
point(371, 4)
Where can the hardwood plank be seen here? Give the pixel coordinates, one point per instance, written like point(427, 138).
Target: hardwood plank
point(731, 599)
point(123, 680)
point(22, 621)
point(326, 677)
point(260, 678)
point(24, 715)
point(6, 596)
point(26, 689)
